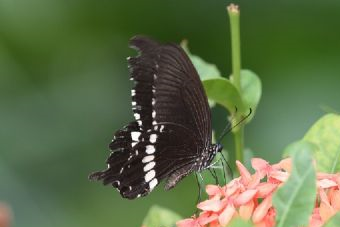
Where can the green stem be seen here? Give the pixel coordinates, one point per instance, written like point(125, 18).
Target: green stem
point(234, 15)
point(239, 143)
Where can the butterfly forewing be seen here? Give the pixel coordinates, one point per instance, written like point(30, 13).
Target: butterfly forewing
point(172, 131)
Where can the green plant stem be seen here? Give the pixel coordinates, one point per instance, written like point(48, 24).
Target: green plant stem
point(234, 15)
point(239, 143)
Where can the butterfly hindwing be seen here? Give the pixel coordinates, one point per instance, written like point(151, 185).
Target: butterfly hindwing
point(136, 170)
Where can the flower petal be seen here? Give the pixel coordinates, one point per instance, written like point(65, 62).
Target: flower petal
point(212, 189)
point(189, 222)
point(255, 180)
point(259, 164)
point(279, 175)
point(262, 209)
point(246, 210)
point(210, 205)
point(245, 175)
point(232, 187)
point(326, 210)
point(285, 164)
point(206, 218)
point(335, 199)
point(326, 183)
point(226, 215)
point(245, 197)
point(315, 219)
point(264, 189)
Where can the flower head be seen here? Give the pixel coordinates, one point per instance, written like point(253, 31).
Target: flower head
point(250, 197)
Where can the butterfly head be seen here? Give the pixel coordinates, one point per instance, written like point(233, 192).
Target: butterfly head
point(218, 147)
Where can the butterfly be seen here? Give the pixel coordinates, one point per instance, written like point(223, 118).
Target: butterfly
point(171, 135)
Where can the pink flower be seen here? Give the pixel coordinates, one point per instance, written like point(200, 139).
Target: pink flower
point(250, 197)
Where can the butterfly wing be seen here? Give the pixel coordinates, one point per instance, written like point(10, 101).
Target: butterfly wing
point(172, 127)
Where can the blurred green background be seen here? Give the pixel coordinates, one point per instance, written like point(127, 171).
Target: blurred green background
point(64, 90)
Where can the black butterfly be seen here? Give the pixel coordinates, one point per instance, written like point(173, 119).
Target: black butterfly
point(171, 136)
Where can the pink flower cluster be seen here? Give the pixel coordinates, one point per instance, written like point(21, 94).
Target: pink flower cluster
point(250, 197)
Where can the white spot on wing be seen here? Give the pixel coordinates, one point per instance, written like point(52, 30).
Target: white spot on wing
point(133, 92)
point(134, 103)
point(153, 138)
point(150, 175)
point(150, 149)
point(153, 114)
point(148, 158)
point(135, 136)
point(153, 184)
point(133, 144)
point(162, 128)
point(137, 116)
point(149, 166)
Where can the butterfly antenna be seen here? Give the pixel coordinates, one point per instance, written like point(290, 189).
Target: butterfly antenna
point(229, 126)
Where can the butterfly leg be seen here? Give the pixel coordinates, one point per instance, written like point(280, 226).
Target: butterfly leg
point(199, 191)
point(224, 175)
point(214, 175)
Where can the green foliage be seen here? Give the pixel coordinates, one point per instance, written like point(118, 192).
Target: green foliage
point(251, 90)
point(325, 133)
point(295, 200)
point(334, 221)
point(298, 147)
point(223, 91)
point(205, 70)
point(239, 223)
point(160, 217)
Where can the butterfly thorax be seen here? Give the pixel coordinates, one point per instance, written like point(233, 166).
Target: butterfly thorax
point(208, 155)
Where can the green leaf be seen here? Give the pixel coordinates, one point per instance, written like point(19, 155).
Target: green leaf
point(160, 217)
point(240, 223)
point(326, 134)
point(294, 201)
point(205, 70)
point(251, 90)
point(298, 146)
point(334, 221)
point(223, 92)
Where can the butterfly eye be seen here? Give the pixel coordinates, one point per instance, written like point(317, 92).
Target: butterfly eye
point(219, 147)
